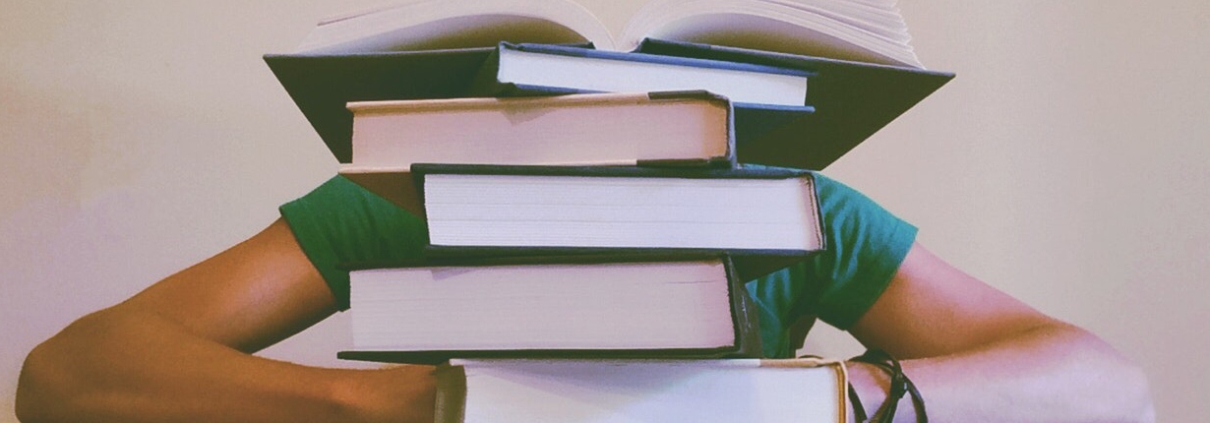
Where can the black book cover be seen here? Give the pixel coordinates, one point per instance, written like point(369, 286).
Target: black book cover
point(851, 100)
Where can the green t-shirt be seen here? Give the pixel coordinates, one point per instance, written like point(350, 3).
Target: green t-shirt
point(341, 222)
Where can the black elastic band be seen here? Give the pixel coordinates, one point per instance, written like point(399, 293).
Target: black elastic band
point(858, 408)
point(900, 385)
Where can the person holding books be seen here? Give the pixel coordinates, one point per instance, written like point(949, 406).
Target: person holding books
point(181, 350)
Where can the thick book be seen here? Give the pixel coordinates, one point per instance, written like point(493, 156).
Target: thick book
point(598, 306)
point(683, 128)
point(868, 31)
point(766, 218)
point(435, 49)
point(602, 207)
point(641, 391)
point(545, 69)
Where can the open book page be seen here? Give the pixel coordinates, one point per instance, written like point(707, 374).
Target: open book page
point(440, 24)
point(826, 28)
point(862, 30)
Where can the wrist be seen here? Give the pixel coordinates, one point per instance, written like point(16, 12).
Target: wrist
point(872, 385)
point(397, 394)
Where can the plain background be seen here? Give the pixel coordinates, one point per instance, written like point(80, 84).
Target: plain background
point(1066, 165)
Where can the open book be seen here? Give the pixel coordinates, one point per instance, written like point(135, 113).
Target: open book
point(861, 30)
point(862, 73)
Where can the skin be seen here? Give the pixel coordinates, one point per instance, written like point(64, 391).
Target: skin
point(979, 355)
point(180, 351)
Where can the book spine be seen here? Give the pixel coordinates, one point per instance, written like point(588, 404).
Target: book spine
point(744, 315)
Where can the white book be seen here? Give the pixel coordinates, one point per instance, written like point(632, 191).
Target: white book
point(583, 129)
point(549, 208)
point(601, 306)
point(542, 68)
point(641, 391)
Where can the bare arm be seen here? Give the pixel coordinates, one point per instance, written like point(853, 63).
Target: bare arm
point(180, 352)
point(977, 354)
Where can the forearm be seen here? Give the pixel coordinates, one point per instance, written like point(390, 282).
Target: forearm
point(1051, 373)
point(136, 367)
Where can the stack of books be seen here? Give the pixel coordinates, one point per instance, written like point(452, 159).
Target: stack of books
point(592, 212)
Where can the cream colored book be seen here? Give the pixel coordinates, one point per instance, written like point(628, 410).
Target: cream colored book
point(582, 129)
point(537, 210)
point(862, 30)
point(642, 391)
point(599, 306)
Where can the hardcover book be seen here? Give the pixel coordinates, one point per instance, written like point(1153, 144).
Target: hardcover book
point(766, 219)
point(665, 128)
point(560, 207)
point(600, 306)
point(544, 69)
point(862, 71)
point(642, 391)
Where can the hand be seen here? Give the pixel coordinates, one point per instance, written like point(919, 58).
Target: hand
point(401, 394)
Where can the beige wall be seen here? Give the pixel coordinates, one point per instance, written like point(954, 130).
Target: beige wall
point(1066, 164)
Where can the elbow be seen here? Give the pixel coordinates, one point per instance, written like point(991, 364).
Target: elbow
point(1131, 391)
point(52, 382)
point(1123, 387)
point(1125, 396)
point(1138, 393)
point(36, 389)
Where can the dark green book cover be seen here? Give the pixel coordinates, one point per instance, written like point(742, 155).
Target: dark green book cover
point(850, 100)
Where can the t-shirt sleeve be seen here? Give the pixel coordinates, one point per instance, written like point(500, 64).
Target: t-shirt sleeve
point(340, 222)
point(868, 245)
point(865, 246)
